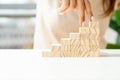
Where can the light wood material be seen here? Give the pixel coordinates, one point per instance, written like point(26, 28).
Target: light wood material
point(75, 44)
point(94, 39)
point(85, 43)
point(84, 40)
point(65, 47)
point(56, 50)
point(46, 53)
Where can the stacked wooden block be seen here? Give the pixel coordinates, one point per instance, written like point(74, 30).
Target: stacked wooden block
point(82, 44)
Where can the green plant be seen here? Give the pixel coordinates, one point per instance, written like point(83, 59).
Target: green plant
point(115, 25)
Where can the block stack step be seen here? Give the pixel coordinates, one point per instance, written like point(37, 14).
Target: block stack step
point(85, 43)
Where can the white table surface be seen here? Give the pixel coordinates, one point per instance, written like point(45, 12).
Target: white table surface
point(29, 65)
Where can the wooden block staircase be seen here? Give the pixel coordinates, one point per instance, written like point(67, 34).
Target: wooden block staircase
point(85, 43)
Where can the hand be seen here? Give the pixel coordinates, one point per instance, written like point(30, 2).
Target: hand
point(80, 5)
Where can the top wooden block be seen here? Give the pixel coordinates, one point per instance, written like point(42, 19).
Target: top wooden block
point(84, 30)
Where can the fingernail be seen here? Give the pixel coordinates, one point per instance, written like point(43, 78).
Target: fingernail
point(83, 24)
point(92, 18)
point(80, 24)
point(61, 13)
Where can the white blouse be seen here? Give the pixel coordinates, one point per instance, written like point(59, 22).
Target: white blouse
point(51, 27)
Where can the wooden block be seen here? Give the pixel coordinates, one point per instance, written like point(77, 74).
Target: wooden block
point(97, 27)
point(46, 53)
point(94, 47)
point(84, 41)
point(82, 44)
point(65, 47)
point(65, 44)
point(84, 50)
point(78, 40)
point(55, 50)
point(94, 53)
point(93, 42)
point(94, 30)
point(75, 50)
point(74, 35)
point(84, 30)
point(94, 38)
point(84, 35)
point(75, 54)
point(75, 44)
point(75, 38)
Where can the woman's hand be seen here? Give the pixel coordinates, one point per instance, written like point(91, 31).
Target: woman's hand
point(80, 5)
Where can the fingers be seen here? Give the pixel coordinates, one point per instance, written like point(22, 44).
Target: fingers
point(81, 11)
point(60, 1)
point(88, 9)
point(80, 5)
point(64, 6)
point(73, 4)
point(67, 5)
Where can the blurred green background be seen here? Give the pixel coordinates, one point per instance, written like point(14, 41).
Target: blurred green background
point(115, 25)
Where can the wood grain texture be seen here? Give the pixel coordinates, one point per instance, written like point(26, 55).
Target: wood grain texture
point(84, 40)
point(65, 47)
point(55, 50)
point(94, 39)
point(75, 44)
point(46, 53)
point(85, 43)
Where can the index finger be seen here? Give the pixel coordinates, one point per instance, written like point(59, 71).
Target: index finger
point(88, 9)
point(81, 11)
